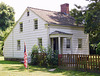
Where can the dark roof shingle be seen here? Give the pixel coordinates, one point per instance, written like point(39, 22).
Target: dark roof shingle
point(53, 17)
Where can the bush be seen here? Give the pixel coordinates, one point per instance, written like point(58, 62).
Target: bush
point(98, 49)
point(52, 57)
point(92, 48)
point(1, 47)
point(34, 56)
point(48, 60)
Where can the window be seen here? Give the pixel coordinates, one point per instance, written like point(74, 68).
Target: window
point(68, 43)
point(28, 13)
point(18, 45)
point(39, 42)
point(36, 23)
point(21, 27)
point(79, 43)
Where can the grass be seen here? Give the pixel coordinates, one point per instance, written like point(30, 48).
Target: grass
point(13, 68)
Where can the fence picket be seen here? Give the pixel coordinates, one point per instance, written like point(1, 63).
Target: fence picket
point(80, 62)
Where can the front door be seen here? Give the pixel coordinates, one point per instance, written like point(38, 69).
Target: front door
point(55, 44)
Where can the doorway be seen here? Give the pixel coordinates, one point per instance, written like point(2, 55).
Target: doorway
point(54, 44)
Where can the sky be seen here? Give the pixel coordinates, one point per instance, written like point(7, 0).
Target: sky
point(53, 5)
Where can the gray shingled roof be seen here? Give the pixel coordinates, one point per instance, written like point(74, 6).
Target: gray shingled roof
point(52, 17)
point(59, 32)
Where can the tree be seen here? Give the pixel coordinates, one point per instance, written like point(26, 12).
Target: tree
point(7, 21)
point(90, 18)
point(78, 15)
point(98, 49)
point(6, 16)
point(92, 21)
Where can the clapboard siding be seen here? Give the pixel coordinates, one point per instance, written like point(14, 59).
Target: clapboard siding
point(77, 33)
point(29, 36)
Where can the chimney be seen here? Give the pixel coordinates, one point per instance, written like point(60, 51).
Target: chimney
point(65, 8)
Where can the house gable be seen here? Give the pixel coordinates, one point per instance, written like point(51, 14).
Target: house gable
point(28, 35)
point(25, 14)
point(49, 24)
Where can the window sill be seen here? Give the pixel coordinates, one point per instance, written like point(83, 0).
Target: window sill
point(20, 32)
point(35, 29)
point(79, 48)
point(67, 49)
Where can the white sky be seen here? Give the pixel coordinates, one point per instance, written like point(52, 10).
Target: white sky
point(54, 5)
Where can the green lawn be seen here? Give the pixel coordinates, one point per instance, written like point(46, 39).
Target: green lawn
point(12, 68)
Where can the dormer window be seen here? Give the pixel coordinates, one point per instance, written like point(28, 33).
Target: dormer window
point(35, 23)
point(28, 13)
point(21, 27)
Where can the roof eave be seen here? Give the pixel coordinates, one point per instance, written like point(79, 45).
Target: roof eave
point(66, 25)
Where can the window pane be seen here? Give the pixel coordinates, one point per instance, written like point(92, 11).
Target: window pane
point(21, 27)
point(68, 43)
point(79, 43)
point(36, 23)
point(18, 45)
point(27, 13)
point(40, 42)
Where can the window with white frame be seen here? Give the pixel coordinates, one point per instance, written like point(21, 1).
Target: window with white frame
point(18, 45)
point(39, 42)
point(79, 43)
point(21, 27)
point(35, 24)
point(68, 44)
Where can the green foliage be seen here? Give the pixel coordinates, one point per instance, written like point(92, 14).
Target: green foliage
point(35, 49)
point(34, 57)
point(92, 21)
point(92, 48)
point(37, 59)
point(78, 15)
point(6, 16)
point(15, 68)
point(1, 47)
point(42, 49)
point(89, 16)
point(4, 34)
point(50, 59)
point(98, 49)
point(49, 56)
point(7, 22)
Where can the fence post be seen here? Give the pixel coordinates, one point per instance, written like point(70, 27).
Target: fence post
point(99, 62)
point(79, 61)
point(59, 59)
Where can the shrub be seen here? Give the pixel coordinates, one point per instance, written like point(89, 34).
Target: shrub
point(1, 47)
point(52, 57)
point(48, 60)
point(98, 49)
point(34, 56)
point(42, 49)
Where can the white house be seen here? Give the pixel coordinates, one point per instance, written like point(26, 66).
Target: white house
point(43, 27)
